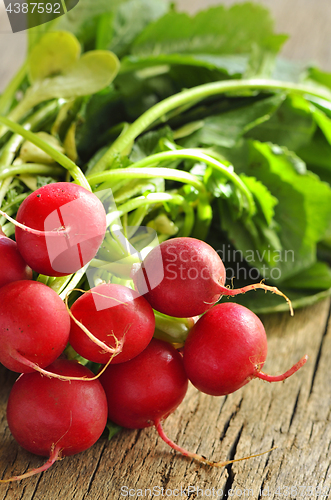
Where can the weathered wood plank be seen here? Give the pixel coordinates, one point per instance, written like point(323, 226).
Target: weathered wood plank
point(294, 416)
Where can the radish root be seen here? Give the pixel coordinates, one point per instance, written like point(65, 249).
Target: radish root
point(195, 456)
point(236, 291)
point(55, 232)
point(54, 456)
point(106, 348)
point(27, 362)
point(284, 376)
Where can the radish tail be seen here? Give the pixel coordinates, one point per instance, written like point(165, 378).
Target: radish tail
point(55, 232)
point(105, 348)
point(279, 378)
point(53, 457)
point(195, 456)
point(236, 291)
point(49, 374)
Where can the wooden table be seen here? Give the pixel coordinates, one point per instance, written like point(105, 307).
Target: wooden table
point(295, 415)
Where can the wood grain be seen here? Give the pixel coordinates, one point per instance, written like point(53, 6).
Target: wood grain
point(295, 415)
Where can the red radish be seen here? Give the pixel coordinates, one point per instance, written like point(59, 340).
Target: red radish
point(109, 312)
point(34, 325)
point(146, 390)
point(61, 228)
point(188, 280)
point(227, 348)
point(54, 418)
point(12, 265)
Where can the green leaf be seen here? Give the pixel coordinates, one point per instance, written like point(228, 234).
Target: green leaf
point(317, 155)
point(91, 73)
point(319, 76)
point(316, 277)
point(257, 241)
point(82, 21)
point(150, 143)
point(55, 53)
point(216, 183)
point(212, 31)
point(265, 303)
point(301, 219)
point(263, 198)
point(112, 429)
point(324, 123)
point(303, 211)
point(226, 128)
point(130, 20)
point(230, 64)
point(292, 125)
point(261, 63)
point(35, 33)
point(97, 115)
point(104, 31)
point(289, 71)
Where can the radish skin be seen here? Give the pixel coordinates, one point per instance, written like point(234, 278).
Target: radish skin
point(107, 312)
point(188, 279)
point(70, 224)
point(12, 265)
point(34, 324)
point(143, 392)
point(226, 348)
point(53, 418)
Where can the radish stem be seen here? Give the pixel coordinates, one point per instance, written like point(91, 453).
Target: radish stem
point(195, 456)
point(194, 95)
point(284, 376)
point(55, 455)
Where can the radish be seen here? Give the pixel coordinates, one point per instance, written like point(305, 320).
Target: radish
point(12, 265)
point(59, 228)
point(191, 280)
point(54, 418)
point(146, 390)
point(34, 325)
point(109, 312)
point(226, 348)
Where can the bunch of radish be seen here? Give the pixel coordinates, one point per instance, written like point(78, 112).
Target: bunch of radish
point(58, 406)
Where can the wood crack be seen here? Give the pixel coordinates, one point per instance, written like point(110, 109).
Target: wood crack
point(229, 419)
point(36, 487)
point(222, 404)
point(231, 474)
point(132, 445)
point(319, 353)
point(295, 407)
point(91, 479)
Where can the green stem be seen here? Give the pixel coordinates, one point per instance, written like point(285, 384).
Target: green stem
point(204, 211)
point(4, 186)
point(31, 168)
point(136, 219)
point(146, 173)
point(9, 150)
point(65, 284)
point(8, 94)
point(151, 199)
point(195, 154)
point(11, 147)
point(22, 108)
point(172, 329)
point(60, 158)
point(195, 94)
